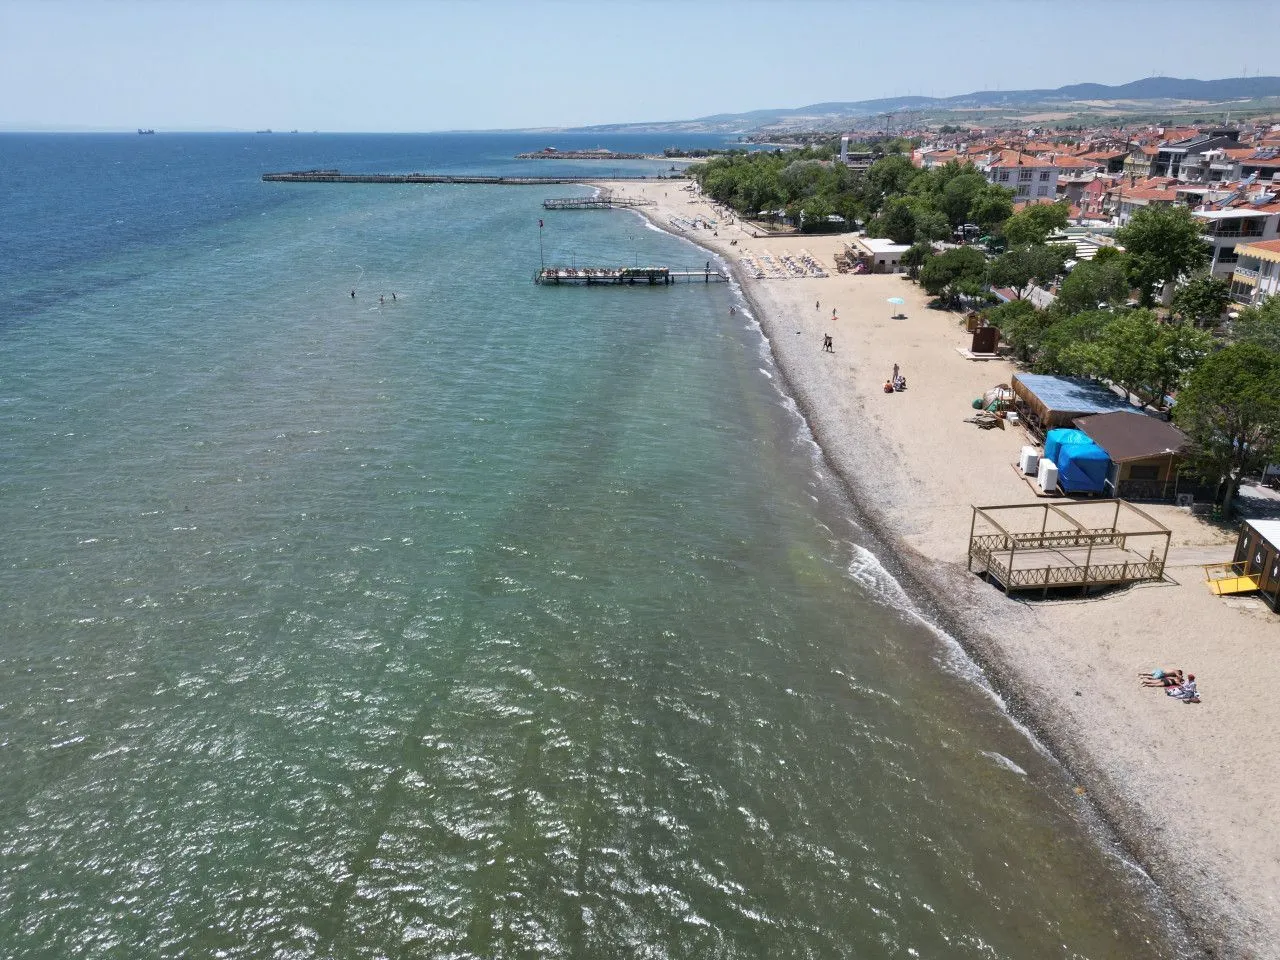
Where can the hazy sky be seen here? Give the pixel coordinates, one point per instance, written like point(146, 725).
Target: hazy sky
point(423, 65)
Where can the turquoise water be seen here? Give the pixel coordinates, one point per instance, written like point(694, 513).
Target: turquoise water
point(494, 621)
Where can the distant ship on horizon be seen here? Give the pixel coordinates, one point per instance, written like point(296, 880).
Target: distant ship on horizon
point(145, 133)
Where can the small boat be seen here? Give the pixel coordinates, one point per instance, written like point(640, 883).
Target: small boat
point(145, 133)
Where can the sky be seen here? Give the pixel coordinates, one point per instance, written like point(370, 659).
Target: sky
point(430, 65)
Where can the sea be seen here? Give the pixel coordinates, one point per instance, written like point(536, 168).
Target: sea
point(463, 617)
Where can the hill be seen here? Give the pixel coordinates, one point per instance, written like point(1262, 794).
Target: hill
point(1150, 94)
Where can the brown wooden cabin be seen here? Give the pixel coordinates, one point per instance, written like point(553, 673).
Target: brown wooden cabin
point(1259, 550)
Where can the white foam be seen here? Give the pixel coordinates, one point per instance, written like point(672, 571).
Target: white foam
point(1004, 761)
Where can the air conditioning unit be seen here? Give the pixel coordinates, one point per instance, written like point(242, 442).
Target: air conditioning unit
point(1047, 478)
point(1029, 461)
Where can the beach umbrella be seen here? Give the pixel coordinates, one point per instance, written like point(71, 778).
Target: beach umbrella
point(897, 301)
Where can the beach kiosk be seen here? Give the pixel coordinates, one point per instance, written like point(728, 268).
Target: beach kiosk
point(1045, 402)
point(1258, 558)
point(1146, 453)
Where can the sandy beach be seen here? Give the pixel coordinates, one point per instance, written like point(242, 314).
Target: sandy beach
point(1190, 790)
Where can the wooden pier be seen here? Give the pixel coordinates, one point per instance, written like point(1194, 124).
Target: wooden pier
point(594, 203)
point(337, 176)
point(624, 276)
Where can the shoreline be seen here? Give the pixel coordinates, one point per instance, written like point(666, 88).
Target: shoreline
point(1165, 838)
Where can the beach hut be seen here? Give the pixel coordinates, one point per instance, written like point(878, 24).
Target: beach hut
point(1146, 453)
point(1045, 402)
point(1258, 553)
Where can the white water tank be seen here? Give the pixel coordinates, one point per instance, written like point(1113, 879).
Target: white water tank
point(1029, 461)
point(1047, 478)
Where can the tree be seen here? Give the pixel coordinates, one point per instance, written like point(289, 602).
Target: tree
point(954, 272)
point(1231, 411)
point(1021, 267)
point(1162, 243)
point(888, 177)
point(1091, 284)
point(1021, 325)
point(931, 225)
point(914, 258)
point(1068, 344)
point(1259, 325)
point(1202, 299)
point(991, 208)
point(959, 194)
point(1033, 224)
point(1134, 350)
point(897, 222)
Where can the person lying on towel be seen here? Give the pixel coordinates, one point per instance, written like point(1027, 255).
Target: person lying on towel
point(1162, 678)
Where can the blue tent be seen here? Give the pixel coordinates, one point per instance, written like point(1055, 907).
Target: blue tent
point(1054, 440)
point(1082, 467)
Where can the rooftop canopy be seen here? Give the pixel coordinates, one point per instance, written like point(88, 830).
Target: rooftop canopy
point(1068, 395)
point(1127, 435)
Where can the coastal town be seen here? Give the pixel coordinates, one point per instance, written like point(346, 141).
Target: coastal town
point(1075, 468)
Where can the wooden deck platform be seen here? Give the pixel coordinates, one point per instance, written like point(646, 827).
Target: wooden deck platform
point(1088, 545)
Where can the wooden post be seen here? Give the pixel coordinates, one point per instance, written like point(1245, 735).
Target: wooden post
point(973, 522)
point(1088, 559)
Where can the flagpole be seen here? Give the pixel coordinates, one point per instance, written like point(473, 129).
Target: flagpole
point(540, 254)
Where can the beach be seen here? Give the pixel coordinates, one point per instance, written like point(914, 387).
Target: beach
point(1189, 789)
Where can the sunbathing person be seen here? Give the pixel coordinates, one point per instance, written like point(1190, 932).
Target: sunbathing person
point(1161, 678)
point(1186, 691)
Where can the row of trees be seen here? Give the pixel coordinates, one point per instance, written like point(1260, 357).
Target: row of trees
point(894, 198)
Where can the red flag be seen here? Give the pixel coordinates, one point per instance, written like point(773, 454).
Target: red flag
point(539, 224)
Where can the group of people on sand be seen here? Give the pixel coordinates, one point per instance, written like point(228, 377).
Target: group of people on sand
point(1175, 683)
point(896, 383)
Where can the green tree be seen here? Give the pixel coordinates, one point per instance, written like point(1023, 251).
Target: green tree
point(991, 208)
point(1231, 411)
point(1033, 224)
point(1259, 325)
point(887, 177)
point(1202, 299)
point(897, 222)
point(959, 195)
point(1137, 352)
point(931, 225)
point(914, 258)
point(1091, 284)
point(954, 272)
point(1020, 268)
point(1107, 254)
point(1068, 344)
point(1021, 325)
point(1162, 243)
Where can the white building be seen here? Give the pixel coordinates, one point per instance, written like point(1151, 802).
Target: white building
point(1030, 178)
point(1257, 272)
point(1225, 229)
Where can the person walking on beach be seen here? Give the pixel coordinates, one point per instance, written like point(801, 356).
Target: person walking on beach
point(817, 305)
point(828, 346)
